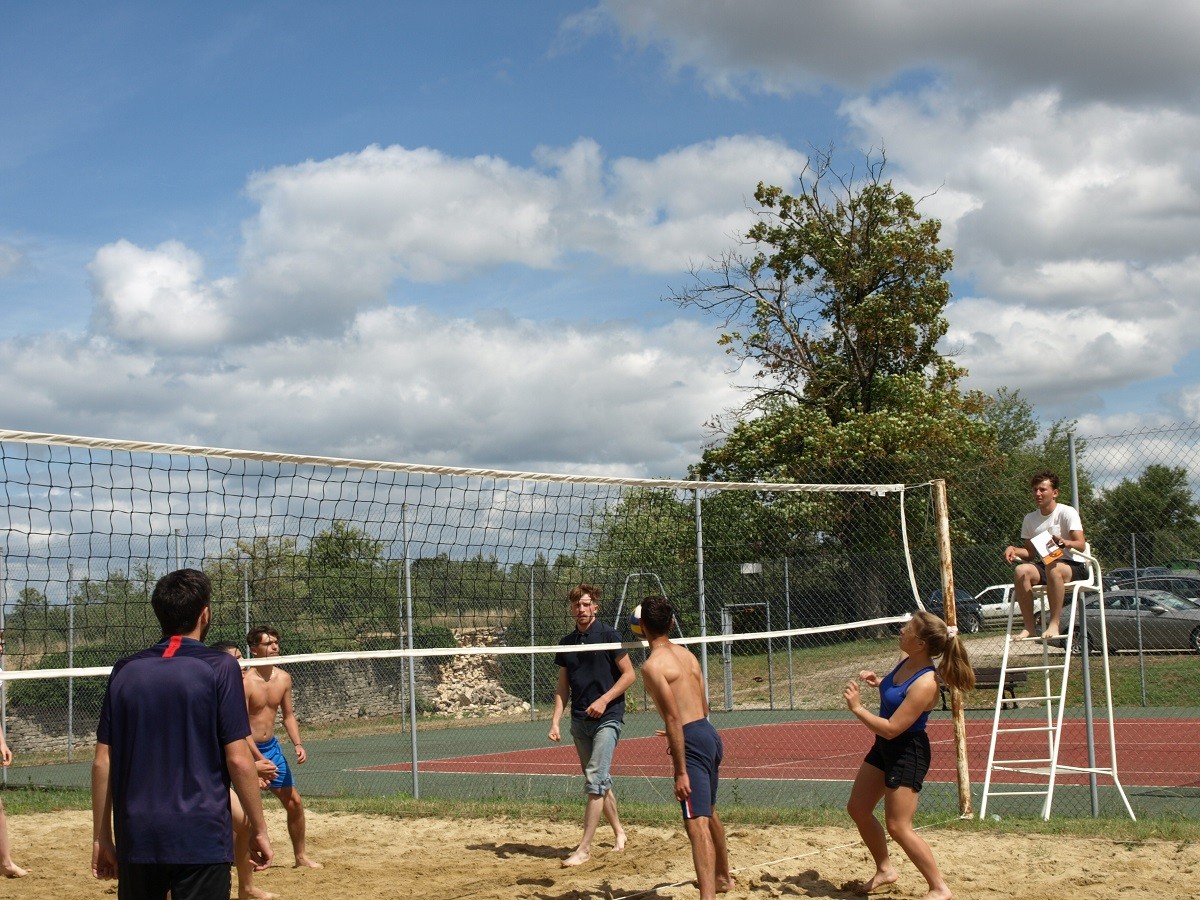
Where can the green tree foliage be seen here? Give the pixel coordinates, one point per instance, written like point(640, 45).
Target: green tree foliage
point(1157, 511)
point(991, 499)
point(116, 611)
point(839, 309)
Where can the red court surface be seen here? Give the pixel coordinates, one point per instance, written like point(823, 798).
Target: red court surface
point(1150, 752)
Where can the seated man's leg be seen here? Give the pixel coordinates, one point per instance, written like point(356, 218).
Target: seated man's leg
point(1026, 577)
point(1057, 577)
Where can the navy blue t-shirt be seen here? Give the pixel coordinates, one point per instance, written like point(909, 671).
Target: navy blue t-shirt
point(592, 674)
point(167, 715)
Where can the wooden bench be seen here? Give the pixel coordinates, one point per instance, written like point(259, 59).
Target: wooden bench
point(988, 678)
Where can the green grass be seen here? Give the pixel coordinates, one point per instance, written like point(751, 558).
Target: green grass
point(21, 801)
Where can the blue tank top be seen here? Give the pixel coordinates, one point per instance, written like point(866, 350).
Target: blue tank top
point(891, 695)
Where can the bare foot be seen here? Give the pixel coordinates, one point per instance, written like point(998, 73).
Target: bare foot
point(619, 844)
point(12, 870)
point(879, 879)
point(1023, 636)
point(305, 862)
point(942, 893)
point(578, 858)
point(256, 894)
point(1051, 634)
point(726, 883)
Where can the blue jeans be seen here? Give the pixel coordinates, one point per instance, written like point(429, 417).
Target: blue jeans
point(595, 743)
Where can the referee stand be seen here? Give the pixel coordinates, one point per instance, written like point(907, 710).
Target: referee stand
point(1012, 737)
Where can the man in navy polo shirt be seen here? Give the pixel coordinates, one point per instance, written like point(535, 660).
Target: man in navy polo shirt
point(595, 681)
point(171, 741)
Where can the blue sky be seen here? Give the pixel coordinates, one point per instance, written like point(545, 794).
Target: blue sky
point(441, 232)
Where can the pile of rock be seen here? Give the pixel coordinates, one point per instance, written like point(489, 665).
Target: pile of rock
point(469, 686)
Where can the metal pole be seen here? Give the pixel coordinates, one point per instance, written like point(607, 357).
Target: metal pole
point(177, 565)
point(1138, 597)
point(532, 655)
point(700, 590)
point(3, 683)
point(400, 631)
point(70, 663)
point(246, 601)
point(787, 598)
point(412, 660)
point(770, 646)
point(1085, 654)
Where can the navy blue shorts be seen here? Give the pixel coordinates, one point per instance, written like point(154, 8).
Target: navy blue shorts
point(904, 760)
point(702, 751)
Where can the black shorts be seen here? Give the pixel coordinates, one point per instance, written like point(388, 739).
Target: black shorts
point(1079, 570)
point(148, 881)
point(904, 760)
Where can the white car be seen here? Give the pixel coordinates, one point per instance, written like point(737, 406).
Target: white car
point(994, 602)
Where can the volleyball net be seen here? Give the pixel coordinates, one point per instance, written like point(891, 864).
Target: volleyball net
point(411, 597)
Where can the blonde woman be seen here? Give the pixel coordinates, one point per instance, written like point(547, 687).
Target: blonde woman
point(894, 769)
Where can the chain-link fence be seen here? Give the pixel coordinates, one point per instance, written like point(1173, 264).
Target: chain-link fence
point(375, 562)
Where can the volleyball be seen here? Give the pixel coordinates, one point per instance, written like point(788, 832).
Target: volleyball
point(635, 623)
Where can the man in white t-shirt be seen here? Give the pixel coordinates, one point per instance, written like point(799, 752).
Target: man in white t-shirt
point(1063, 525)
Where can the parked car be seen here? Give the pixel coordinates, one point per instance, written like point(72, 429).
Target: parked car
point(1167, 621)
point(1142, 572)
point(970, 619)
point(1186, 586)
point(994, 602)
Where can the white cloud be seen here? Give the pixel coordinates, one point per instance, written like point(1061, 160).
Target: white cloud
point(331, 237)
point(1072, 225)
point(400, 384)
point(1084, 49)
point(157, 297)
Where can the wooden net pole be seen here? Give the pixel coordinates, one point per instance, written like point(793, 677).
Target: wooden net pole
point(956, 705)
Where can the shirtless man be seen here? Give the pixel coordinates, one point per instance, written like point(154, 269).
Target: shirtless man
point(241, 822)
point(269, 690)
point(673, 679)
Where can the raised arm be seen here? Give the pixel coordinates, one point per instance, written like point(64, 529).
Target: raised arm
point(920, 697)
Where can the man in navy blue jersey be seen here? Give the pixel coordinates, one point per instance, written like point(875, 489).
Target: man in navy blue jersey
point(595, 683)
point(170, 743)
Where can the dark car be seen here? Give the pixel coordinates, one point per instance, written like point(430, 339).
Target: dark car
point(1186, 586)
point(1119, 578)
point(967, 609)
point(1164, 620)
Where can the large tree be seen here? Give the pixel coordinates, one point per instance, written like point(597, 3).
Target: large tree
point(837, 304)
point(1156, 514)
